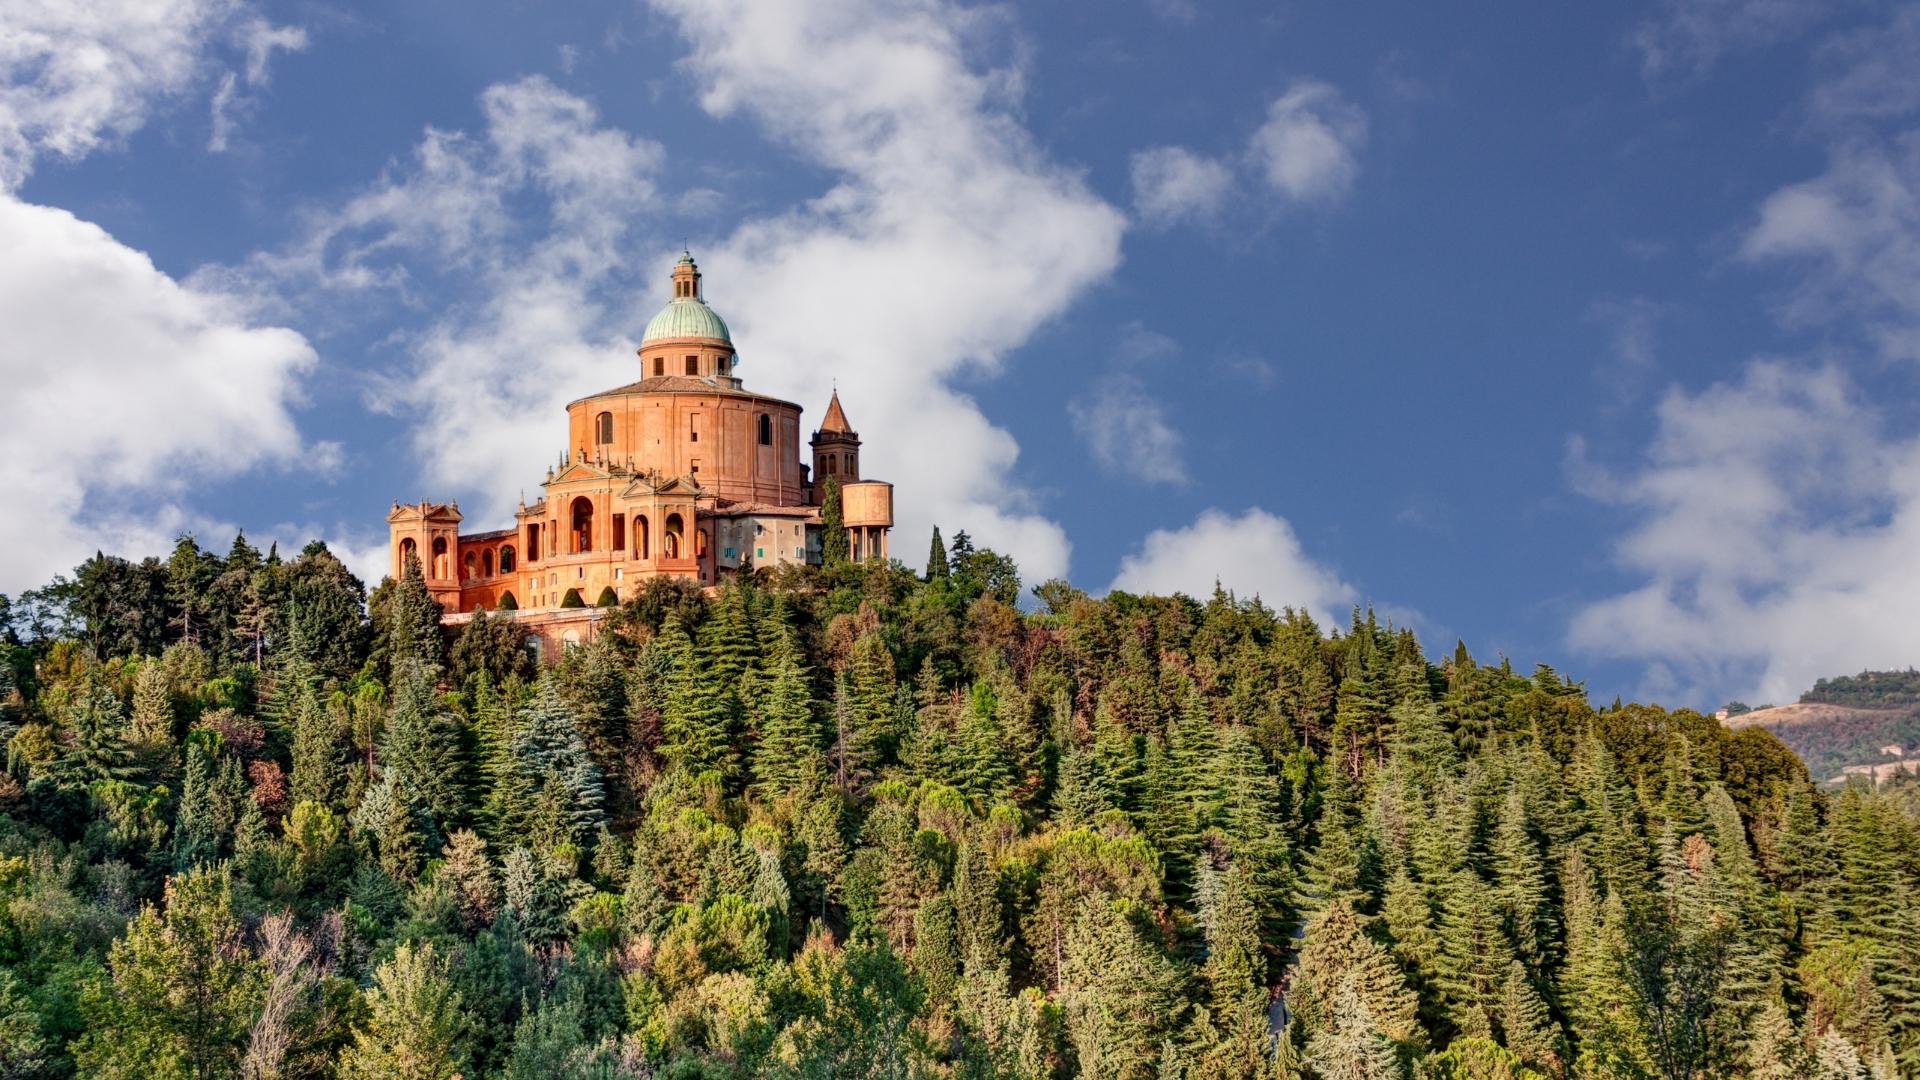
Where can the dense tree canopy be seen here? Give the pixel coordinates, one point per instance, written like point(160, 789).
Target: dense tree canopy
point(861, 820)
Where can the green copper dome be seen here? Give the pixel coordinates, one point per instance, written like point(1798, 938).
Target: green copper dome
point(687, 314)
point(686, 317)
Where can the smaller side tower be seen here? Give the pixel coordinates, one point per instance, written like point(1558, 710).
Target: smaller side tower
point(836, 449)
point(866, 506)
point(431, 533)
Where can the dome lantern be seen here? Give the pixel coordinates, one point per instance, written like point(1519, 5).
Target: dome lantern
point(686, 314)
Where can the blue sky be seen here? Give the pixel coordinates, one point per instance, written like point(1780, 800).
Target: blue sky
point(1584, 333)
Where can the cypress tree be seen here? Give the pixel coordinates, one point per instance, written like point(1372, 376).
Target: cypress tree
point(835, 548)
point(937, 569)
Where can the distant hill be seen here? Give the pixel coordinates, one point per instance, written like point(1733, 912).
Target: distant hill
point(1845, 726)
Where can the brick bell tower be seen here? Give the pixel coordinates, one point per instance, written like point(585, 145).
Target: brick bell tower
point(836, 448)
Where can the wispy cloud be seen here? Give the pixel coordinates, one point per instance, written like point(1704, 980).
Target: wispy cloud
point(1172, 184)
point(1308, 148)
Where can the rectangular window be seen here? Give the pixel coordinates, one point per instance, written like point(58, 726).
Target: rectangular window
point(618, 573)
point(580, 572)
point(693, 428)
point(659, 365)
point(729, 553)
point(696, 464)
point(693, 365)
point(759, 553)
point(619, 532)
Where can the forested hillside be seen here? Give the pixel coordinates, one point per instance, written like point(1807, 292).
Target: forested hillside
point(857, 822)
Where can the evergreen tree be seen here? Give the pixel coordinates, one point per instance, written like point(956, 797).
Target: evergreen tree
point(1353, 1047)
point(196, 836)
point(835, 547)
point(414, 621)
point(422, 740)
point(697, 718)
point(937, 558)
point(786, 755)
point(551, 760)
point(96, 746)
point(1336, 952)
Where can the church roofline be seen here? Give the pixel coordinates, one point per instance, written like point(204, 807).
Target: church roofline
point(681, 384)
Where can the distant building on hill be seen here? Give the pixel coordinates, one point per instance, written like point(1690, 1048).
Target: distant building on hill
point(683, 473)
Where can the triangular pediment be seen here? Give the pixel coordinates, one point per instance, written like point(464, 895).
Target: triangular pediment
point(580, 470)
point(655, 484)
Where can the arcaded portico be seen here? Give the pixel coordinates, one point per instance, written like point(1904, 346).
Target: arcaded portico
point(681, 473)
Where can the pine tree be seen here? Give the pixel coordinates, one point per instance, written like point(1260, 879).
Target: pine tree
point(1526, 1028)
point(96, 747)
point(872, 683)
point(414, 621)
point(1336, 950)
point(468, 875)
point(1353, 1047)
point(319, 773)
point(394, 824)
point(1521, 883)
point(550, 760)
point(152, 720)
point(196, 836)
point(422, 740)
point(1606, 1012)
point(697, 720)
point(786, 754)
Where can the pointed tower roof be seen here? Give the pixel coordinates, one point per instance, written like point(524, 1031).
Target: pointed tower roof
point(836, 418)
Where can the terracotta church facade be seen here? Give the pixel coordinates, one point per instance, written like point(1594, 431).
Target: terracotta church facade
point(682, 473)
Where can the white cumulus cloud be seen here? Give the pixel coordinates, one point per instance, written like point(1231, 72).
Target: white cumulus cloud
point(1254, 554)
point(123, 386)
point(1308, 149)
point(1172, 184)
point(1776, 539)
point(947, 238)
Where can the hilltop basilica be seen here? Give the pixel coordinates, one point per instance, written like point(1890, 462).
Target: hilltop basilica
point(683, 473)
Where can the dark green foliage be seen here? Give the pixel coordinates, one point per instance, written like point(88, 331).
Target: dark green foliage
point(492, 646)
point(413, 623)
point(937, 569)
point(835, 547)
point(846, 821)
point(572, 599)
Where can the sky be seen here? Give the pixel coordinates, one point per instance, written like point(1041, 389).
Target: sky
point(1587, 334)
